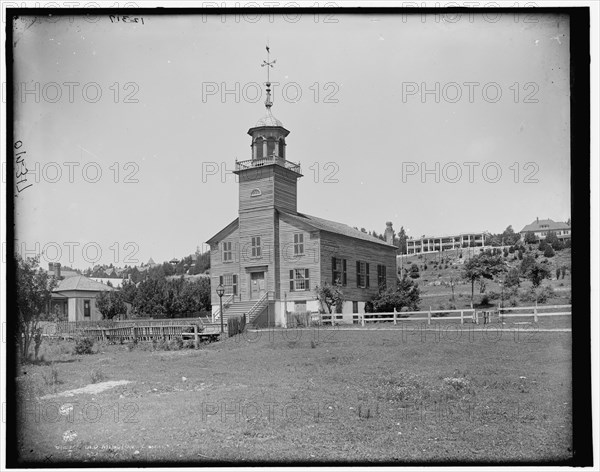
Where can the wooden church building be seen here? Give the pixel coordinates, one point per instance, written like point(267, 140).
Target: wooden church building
point(271, 257)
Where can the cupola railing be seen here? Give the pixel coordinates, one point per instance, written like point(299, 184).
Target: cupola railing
point(263, 161)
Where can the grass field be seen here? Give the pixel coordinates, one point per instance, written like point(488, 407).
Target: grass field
point(368, 395)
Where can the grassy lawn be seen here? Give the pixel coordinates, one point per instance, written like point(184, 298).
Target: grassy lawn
point(306, 395)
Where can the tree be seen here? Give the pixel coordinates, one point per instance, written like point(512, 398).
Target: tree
point(528, 260)
point(414, 271)
point(406, 294)
point(512, 278)
point(482, 266)
point(549, 252)
point(536, 272)
point(128, 292)
point(330, 295)
point(509, 236)
point(400, 240)
point(530, 238)
point(34, 292)
point(110, 304)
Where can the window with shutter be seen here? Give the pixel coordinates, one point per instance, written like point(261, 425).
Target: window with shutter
point(227, 252)
point(256, 249)
point(362, 274)
point(338, 272)
point(381, 277)
point(298, 244)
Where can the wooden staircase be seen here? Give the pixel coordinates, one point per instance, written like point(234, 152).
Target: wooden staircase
point(251, 308)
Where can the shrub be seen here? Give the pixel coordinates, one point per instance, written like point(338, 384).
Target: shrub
point(175, 344)
point(485, 300)
point(96, 375)
point(549, 252)
point(493, 295)
point(83, 345)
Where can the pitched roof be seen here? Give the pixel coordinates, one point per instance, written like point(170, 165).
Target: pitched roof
point(230, 227)
point(551, 226)
point(81, 283)
point(333, 227)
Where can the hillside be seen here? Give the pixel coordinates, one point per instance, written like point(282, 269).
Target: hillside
point(437, 271)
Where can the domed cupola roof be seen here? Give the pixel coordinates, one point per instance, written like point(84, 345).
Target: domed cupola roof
point(268, 120)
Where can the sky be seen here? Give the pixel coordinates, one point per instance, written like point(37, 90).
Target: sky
point(438, 124)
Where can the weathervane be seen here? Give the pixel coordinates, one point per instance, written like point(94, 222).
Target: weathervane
point(268, 64)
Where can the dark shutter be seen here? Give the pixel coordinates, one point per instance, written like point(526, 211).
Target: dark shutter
point(344, 278)
point(291, 280)
point(358, 273)
point(367, 274)
point(221, 279)
point(307, 281)
point(235, 279)
point(332, 270)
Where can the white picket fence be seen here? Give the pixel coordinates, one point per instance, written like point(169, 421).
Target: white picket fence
point(474, 315)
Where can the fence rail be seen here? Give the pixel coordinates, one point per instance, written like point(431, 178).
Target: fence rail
point(471, 314)
point(138, 333)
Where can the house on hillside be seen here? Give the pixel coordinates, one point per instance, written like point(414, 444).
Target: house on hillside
point(540, 229)
point(427, 244)
point(271, 257)
point(74, 299)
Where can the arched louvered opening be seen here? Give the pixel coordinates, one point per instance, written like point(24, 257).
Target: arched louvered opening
point(281, 146)
point(258, 147)
point(270, 146)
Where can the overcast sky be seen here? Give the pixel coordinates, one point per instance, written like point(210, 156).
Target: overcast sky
point(361, 128)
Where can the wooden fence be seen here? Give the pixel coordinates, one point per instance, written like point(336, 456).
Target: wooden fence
point(150, 333)
point(74, 327)
point(476, 316)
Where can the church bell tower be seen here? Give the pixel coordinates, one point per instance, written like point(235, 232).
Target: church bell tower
point(268, 179)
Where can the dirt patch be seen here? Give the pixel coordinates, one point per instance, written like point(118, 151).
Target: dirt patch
point(91, 388)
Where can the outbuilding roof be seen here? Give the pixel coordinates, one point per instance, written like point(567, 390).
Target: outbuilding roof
point(81, 282)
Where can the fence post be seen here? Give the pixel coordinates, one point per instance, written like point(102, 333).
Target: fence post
point(196, 337)
point(134, 333)
point(103, 334)
point(429, 316)
point(362, 318)
point(395, 314)
point(535, 317)
point(462, 319)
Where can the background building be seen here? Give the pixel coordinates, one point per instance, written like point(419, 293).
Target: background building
point(540, 229)
point(428, 244)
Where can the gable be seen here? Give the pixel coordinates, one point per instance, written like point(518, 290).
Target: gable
point(229, 229)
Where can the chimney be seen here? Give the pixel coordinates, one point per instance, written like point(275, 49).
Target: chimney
point(50, 266)
point(57, 270)
point(389, 233)
point(537, 220)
